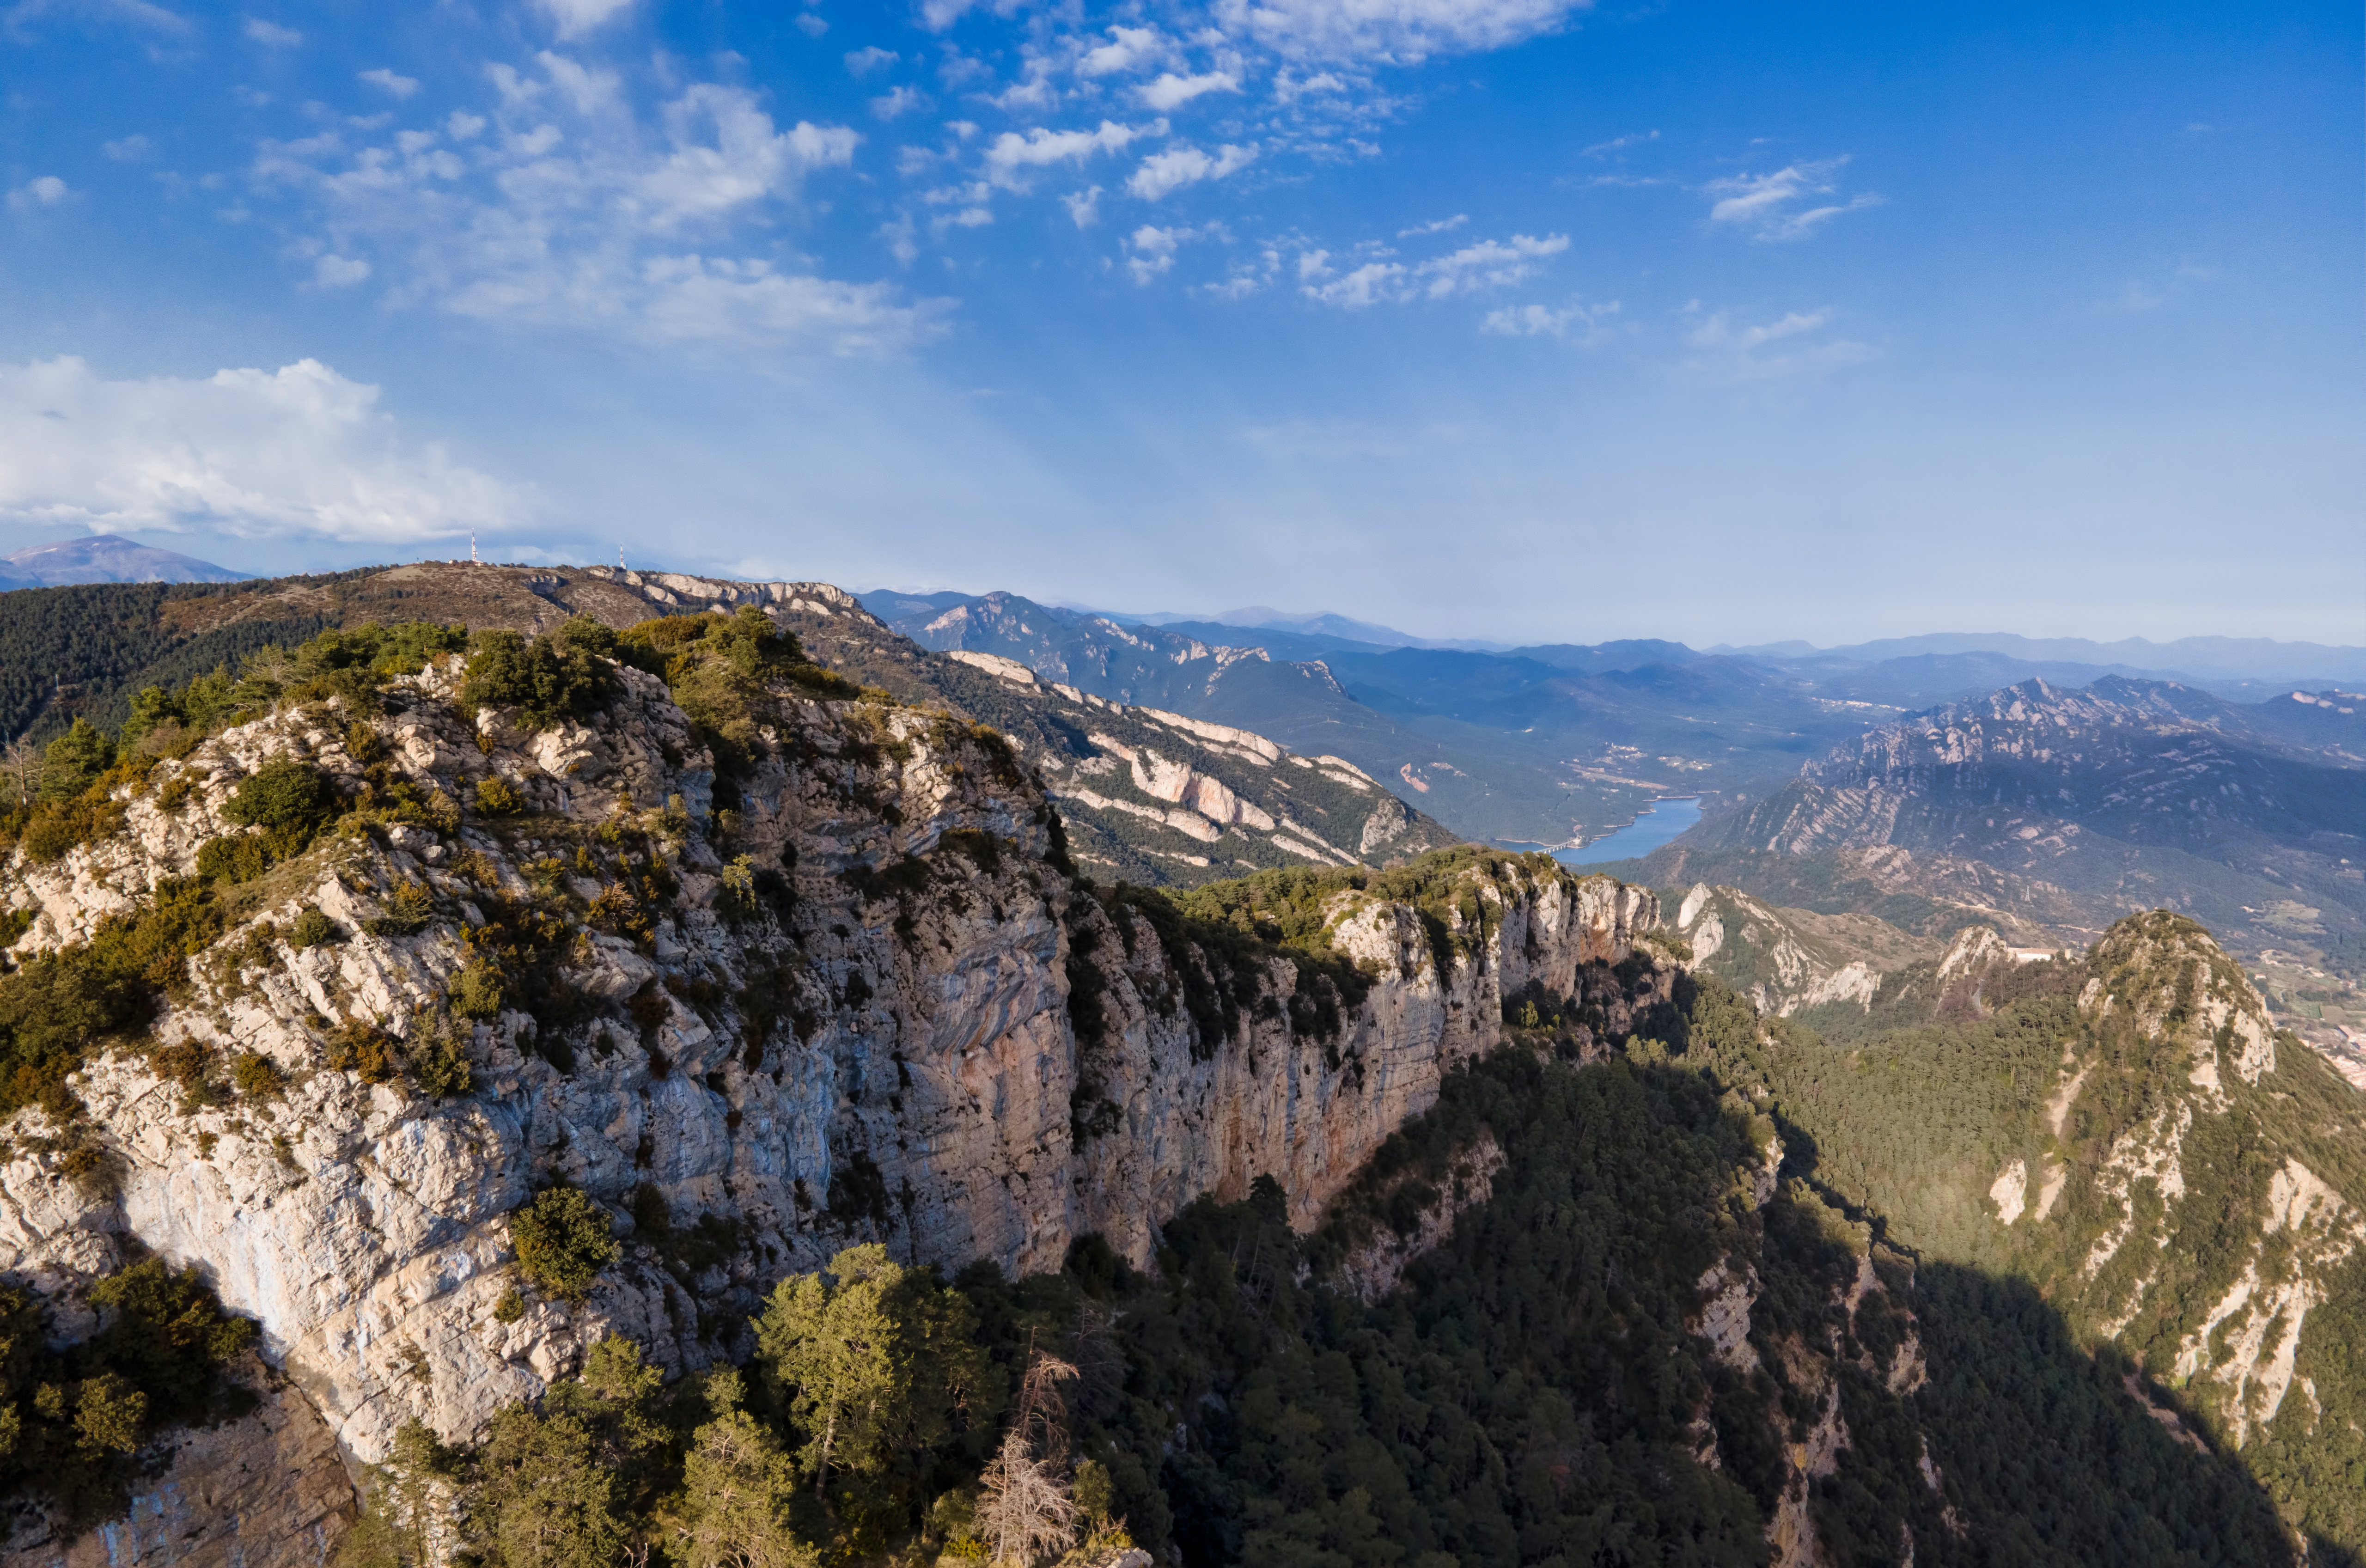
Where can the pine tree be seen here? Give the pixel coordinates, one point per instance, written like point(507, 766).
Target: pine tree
point(875, 1359)
point(737, 1487)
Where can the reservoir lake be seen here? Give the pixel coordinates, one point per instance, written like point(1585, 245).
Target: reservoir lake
point(1654, 826)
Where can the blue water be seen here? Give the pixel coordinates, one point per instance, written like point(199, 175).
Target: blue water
point(1658, 823)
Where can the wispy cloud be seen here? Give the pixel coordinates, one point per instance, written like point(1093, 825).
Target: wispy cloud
point(386, 81)
point(1620, 143)
point(1442, 226)
point(1153, 250)
point(271, 35)
point(1793, 346)
point(1162, 174)
point(1168, 90)
point(576, 17)
point(1490, 264)
point(1128, 49)
point(1391, 30)
point(1778, 206)
point(863, 61)
point(1009, 155)
point(2142, 295)
point(45, 190)
point(1578, 323)
point(562, 208)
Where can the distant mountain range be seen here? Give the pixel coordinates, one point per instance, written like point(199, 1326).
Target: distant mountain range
point(2054, 813)
point(2206, 660)
point(105, 558)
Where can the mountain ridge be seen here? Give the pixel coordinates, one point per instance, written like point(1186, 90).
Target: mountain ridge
point(105, 558)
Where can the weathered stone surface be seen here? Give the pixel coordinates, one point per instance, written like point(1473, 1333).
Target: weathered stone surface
point(268, 1488)
point(880, 1049)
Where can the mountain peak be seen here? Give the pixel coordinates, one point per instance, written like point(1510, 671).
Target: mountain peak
point(105, 558)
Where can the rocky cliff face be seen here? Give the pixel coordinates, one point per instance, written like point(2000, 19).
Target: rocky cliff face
point(2199, 1198)
point(1786, 960)
point(845, 1010)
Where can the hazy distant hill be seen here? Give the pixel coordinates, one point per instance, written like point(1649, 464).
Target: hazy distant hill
point(105, 558)
point(2080, 807)
point(2197, 659)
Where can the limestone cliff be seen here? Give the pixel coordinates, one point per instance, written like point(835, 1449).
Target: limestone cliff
point(847, 1007)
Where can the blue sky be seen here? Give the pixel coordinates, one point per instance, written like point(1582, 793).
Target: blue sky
point(1497, 318)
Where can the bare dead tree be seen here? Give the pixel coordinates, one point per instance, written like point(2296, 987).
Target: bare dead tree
point(1024, 1506)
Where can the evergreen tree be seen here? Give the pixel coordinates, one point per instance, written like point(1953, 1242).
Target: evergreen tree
point(737, 1488)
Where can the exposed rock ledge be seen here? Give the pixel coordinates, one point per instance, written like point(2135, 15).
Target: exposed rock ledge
point(920, 1080)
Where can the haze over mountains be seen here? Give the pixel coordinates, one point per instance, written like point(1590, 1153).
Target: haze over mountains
point(105, 558)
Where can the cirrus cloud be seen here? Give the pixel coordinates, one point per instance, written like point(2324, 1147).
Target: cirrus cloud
point(1774, 207)
point(1393, 31)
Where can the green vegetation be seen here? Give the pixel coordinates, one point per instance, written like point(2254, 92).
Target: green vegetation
point(546, 677)
point(62, 1005)
point(81, 652)
point(562, 1240)
point(70, 1419)
point(720, 670)
point(870, 1398)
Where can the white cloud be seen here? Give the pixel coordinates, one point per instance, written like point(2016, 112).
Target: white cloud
point(253, 453)
point(1789, 347)
point(1441, 226)
point(338, 272)
point(860, 63)
point(1582, 323)
point(1009, 154)
point(1768, 206)
point(464, 127)
point(1620, 143)
point(1170, 89)
point(46, 191)
point(1161, 173)
point(1127, 49)
point(129, 150)
point(1085, 207)
point(1371, 284)
point(576, 17)
point(811, 25)
point(401, 86)
point(1289, 90)
point(897, 101)
point(1490, 264)
point(576, 214)
point(1393, 30)
point(1154, 250)
point(270, 35)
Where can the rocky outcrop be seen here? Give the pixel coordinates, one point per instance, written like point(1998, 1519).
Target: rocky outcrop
point(1372, 1269)
point(847, 1011)
point(2194, 1182)
point(265, 1488)
point(1785, 959)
